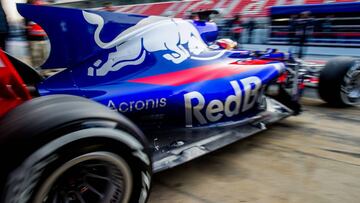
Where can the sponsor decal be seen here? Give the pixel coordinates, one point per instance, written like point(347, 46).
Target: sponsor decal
point(200, 110)
point(138, 105)
point(178, 37)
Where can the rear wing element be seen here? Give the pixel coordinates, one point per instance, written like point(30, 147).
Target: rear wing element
point(73, 32)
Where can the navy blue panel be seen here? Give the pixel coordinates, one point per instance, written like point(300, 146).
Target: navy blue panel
point(71, 37)
point(316, 8)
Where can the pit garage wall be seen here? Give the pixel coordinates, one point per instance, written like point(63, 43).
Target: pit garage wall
point(228, 8)
point(344, 29)
point(259, 9)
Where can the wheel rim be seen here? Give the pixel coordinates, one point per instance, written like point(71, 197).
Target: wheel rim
point(350, 90)
point(93, 177)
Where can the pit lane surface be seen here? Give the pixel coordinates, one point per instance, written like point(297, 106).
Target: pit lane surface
point(314, 157)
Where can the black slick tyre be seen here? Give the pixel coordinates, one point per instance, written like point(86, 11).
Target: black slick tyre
point(339, 82)
point(70, 149)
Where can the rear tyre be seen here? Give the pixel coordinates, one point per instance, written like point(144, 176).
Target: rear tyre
point(80, 171)
point(339, 82)
point(72, 150)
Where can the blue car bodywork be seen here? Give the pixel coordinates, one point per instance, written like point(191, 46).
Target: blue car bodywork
point(187, 98)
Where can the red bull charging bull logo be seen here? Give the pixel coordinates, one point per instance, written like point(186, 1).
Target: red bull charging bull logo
point(179, 37)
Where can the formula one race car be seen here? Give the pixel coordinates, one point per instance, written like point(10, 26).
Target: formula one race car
point(139, 94)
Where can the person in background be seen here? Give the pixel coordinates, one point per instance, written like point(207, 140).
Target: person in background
point(305, 27)
point(194, 16)
point(37, 38)
point(250, 27)
point(236, 27)
point(327, 24)
point(108, 7)
point(4, 27)
point(292, 29)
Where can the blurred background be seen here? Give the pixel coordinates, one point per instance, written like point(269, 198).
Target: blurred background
point(311, 158)
point(305, 27)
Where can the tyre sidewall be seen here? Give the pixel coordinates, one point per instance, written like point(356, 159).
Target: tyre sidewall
point(332, 79)
point(29, 176)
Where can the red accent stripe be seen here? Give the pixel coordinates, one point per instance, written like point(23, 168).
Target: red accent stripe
point(12, 88)
point(198, 74)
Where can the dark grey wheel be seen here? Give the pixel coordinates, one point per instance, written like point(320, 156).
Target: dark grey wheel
point(339, 82)
point(92, 177)
point(350, 89)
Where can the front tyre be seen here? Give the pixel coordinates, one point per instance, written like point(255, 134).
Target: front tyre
point(339, 82)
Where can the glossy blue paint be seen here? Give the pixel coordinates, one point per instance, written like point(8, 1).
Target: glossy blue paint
point(207, 30)
point(70, 35)
point(105, 53)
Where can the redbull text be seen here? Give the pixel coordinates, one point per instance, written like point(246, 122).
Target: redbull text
point(204, 111)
